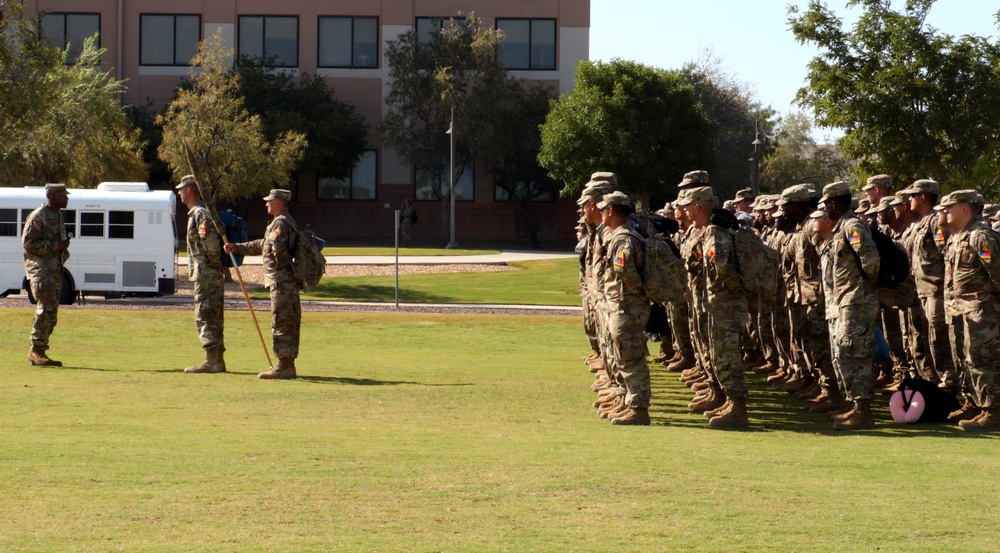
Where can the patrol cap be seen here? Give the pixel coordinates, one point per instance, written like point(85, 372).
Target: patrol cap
point(923, 186)
point(604, 176)
point(279, 194)
point(693, 179)
point(780, 212)
point(990, 210)
point(864, 204)
point(820, 212)
point(595, 191)
point(697, 194)
point(835, 190)
point(958, 197)
point(812, 188)
point(885, 181)
point(56, 188)
point(615, 198)
point(764, 203)
point(796, 193)
point(898, 199)
point(186, 180)
point(883, 204)
point(728, 204)
point(745, 194)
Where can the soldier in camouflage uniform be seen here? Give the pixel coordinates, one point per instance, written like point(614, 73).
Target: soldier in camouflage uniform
point(46, 249)
point(278, 247)
point(405, 222)
point(726, 307)
point(627, 310)
point(206, 272)
point(850, 263)
point(972, 297)
point(592, 293)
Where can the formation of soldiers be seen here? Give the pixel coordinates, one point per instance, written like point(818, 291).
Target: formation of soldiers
point(816, 337)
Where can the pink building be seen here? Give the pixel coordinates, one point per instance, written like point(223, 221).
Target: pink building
point(149, 43)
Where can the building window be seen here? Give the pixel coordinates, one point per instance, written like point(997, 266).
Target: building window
point(348, 42)
point(271, 38)
point(521, 191)
point(168, 39)
point(71, 29)
point(359, 186)
point(464, 186)
point(121, 224)
point(528, 43)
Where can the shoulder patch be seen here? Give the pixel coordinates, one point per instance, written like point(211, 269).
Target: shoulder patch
point(854, 238)
point(939, 235)
point(275, 232)
point(202, 230)
point(984, 253)
point(711, 254)
point(36, 225)
point(619, 261)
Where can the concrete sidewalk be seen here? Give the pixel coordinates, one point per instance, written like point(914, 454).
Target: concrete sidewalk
point(501, 258)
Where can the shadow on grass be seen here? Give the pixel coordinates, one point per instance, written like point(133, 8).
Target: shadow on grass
point(776, 411)
point(372, 293)
point(370, 382)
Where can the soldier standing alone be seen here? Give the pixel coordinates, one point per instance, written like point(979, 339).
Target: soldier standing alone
point(278, 247)
point(46, 249)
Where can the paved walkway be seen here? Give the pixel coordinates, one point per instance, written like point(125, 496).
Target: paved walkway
point(491, 259)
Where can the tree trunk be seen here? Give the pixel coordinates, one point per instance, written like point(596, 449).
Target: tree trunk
point(529, 223)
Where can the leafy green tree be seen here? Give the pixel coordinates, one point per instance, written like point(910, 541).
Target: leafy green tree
point(913, 102)
point(234, 159)
point(335, 131)
point(431, 78)
point(59, 122)
point(643, 123)
point(796, 158)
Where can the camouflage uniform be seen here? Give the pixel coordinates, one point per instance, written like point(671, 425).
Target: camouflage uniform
point(851, 303)
point(205, 270)
point(810, 285)
point(726, 308)
point(926, 247)
point(43, 267)
point(680, 314)
point(692, 255)
point(405, 222)
point(277, 248)
point(628, 313)
point(780, 324)
point(972, 298)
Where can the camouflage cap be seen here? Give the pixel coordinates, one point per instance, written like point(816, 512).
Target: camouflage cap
point(729, 205)
point(595, 191)
point(696, 194)
point(883, 204)
point(898, 199)
point(279, 194)
point(796, 193)
point(693, 179)
point(923, 186)
point(990, 210)
point(764, 202)
point(812, 188)
point(820, 212)
point(56, 188)
point(835, 190)
point(960, 196)
point(604, 176)
point(186, 180)
point(780, 212)
point(864, 204)
point(615, 198)
point(884, 181)
point(745, 194)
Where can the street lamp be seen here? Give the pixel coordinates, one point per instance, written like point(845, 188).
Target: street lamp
point(757, 143)
point(452, 244)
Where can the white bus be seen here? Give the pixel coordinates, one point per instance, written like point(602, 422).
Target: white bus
point(124, 240)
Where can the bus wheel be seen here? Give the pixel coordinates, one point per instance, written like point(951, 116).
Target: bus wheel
point(68, 295)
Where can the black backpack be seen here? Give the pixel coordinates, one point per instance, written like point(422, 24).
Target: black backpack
point(938, 404)
point(236, 232)
point(894, 267)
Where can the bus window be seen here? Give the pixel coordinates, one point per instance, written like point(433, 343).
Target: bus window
point(69, 217)
point(92, 223)
point(121, 224)
point(8, 222)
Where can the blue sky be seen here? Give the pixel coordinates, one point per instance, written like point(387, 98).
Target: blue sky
point(750, 37)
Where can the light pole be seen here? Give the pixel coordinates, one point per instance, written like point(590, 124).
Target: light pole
point(757, 143)
point(451, 180)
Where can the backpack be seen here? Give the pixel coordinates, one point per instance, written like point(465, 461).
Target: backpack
point(236, 233)
point(920, 401)
point(757, 264)
point(894, 267)
point(664, 276)
point(308, 263)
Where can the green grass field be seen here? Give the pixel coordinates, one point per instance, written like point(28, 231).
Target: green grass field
point(375, 251)
point(548, 282)
point(439, 433)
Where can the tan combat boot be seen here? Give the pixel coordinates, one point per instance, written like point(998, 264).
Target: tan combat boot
point(681, 364)
point(833, 402)
point(284, 371)
point(592, 357)
point(861, 418)
point(736, 417)
point(713, 399)
point(632, 416)
point(37, 357)
point(213, 363)
point(720, 410)
point(605, 410)
point(987, 421)
point(967, 412)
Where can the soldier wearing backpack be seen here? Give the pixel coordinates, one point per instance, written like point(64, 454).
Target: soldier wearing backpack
point(278, 248)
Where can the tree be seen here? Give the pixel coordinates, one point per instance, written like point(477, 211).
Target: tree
point(432, 78)
point(735, 115)
point(796, 158)
point(60, 122)
point(913, 102)
point(336, 133)
point(228, 144)
point(643, 123)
